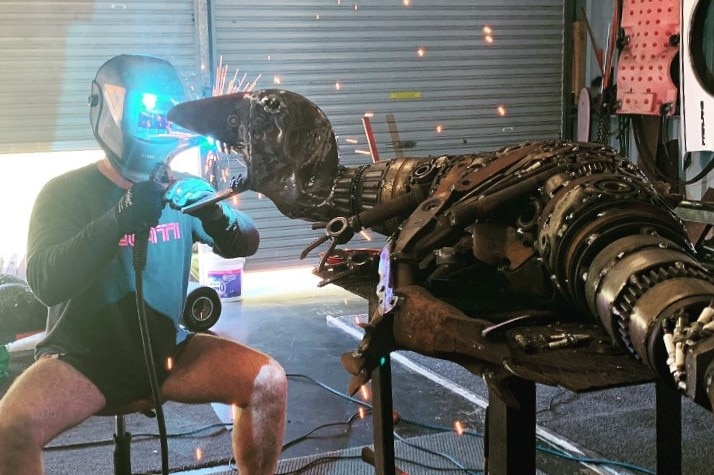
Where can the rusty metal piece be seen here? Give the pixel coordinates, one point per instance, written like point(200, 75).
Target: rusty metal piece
point(500, 245)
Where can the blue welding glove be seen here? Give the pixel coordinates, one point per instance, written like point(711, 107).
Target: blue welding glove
point(187, 191)
point(140, 207)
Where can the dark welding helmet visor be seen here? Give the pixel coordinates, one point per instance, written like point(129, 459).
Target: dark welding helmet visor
point(130, 97)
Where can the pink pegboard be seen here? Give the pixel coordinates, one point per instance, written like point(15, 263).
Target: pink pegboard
point(644, 81)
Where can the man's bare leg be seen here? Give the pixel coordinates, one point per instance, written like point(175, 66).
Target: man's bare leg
point(44, 401)
point(213, 369)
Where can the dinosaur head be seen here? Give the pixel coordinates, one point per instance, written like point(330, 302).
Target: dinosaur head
point(287, 141)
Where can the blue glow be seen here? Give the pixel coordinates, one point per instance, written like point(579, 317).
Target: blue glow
point(149, 101)
point(382, 360)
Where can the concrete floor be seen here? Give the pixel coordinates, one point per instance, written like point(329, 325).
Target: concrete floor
point(287, 316)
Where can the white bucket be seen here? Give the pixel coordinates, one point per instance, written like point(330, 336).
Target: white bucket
point(223, 275)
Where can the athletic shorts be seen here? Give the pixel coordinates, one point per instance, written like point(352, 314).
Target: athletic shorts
point(118, 383)
point(111, 354)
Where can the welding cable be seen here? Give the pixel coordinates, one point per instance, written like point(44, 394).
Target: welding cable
point(307, 435)
point(220, 427)
point(552, 400)
point(462, 467)
point(547, 450)
point(558, 453)
point(141, 245)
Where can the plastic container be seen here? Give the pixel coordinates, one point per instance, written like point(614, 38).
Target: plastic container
point(225, 276)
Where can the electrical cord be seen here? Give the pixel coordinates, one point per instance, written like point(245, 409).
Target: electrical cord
point(547, 450)
point(552, 400)
point(141, 244)
point(469, 432)
point(143, 436)
point(307, 435)
point(461, 467)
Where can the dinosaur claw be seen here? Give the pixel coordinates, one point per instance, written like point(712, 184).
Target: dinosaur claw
point(353, 362)
point(356, 382)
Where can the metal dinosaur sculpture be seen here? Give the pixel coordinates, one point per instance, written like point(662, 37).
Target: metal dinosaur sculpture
point(550, 260)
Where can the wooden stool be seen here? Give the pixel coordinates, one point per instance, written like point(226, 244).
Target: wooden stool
point(122, 438)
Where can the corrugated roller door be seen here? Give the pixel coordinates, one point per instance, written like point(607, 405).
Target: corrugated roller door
point(51, 50)
point(437, 77)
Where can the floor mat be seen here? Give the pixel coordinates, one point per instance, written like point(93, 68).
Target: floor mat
point(195, 435)
point(438, 453)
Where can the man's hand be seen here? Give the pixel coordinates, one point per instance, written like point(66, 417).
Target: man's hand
point(140, 207)
point(187, 191)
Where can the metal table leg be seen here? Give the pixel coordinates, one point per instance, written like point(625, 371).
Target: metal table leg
point(511, 430)
point(382, 418)
point(669, 429)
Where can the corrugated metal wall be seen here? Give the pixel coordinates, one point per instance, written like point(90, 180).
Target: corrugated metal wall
point(457, 76)
point(51, 50)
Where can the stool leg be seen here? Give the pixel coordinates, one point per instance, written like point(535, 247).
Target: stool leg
point(122, 448)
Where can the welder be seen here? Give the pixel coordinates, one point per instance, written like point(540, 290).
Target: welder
point(82, 234)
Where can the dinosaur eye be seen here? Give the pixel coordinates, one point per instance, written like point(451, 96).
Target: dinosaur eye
point(271, 103)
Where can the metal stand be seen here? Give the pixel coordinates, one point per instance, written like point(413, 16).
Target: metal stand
point(382, 417)
point(510, 443)
point(510, 432)
point(122, 447)
point(669, 429)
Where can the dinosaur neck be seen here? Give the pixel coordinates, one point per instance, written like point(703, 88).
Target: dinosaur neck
point(356, 189)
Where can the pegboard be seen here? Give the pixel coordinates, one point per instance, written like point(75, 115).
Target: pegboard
point(645, 65)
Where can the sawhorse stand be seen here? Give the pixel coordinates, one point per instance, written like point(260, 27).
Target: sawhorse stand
point(510, 443)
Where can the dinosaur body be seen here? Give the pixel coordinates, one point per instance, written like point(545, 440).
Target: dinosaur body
point(554, 230)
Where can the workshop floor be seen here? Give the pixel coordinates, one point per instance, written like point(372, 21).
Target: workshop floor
point(287, 316)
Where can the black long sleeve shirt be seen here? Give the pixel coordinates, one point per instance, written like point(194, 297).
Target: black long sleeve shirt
point(80, 266)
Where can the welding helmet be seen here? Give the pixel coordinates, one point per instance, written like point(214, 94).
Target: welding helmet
point(130, 97)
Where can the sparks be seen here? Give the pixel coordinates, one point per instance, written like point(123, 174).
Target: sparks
point(458, 427)
point(406, 3)
point(269, 57)
point(338, 86)
point(277, 80)
point(199, 453)
point(502, 111)
point(169, 363)
point(488, 39)
point(365, 235)
point(350, 140)
point(439, 129)
point(486, 30)
point(317, 17)
point(369, 114)
point(364, 392)
point(420, 52)
point(361, 412)
point(362, 152)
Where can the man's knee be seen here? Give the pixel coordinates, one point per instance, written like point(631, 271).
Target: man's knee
point(271, 381)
